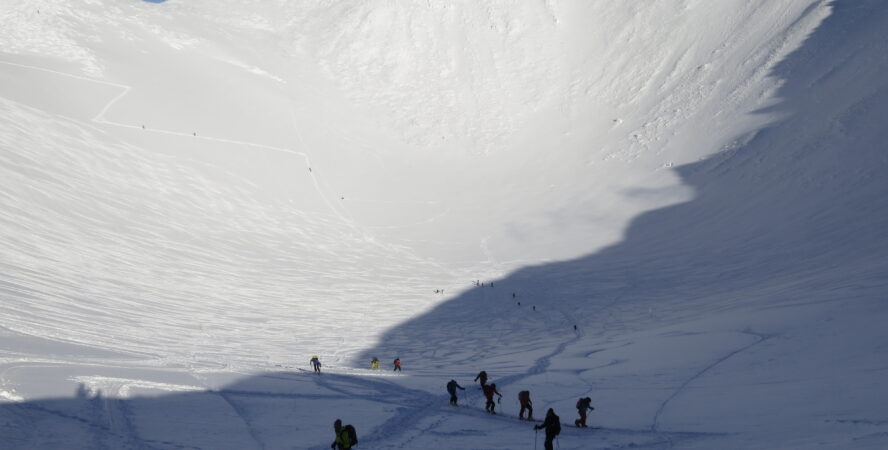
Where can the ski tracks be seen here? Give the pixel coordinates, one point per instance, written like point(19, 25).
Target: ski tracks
point(655, 426)
point(117, 415)
point(239, 410)
point(100, 119)
point(109, 420)
point(413, 405)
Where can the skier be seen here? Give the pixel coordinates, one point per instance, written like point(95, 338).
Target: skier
point(397, 365)
point(315, 363)
point(489, 390)
point(552, 424)
point(482, 377)
point(583, 405)
point(345, 436)
point(526, 404)
point(452, 386)
point(374, 363)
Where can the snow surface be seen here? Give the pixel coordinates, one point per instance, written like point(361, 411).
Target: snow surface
point(195, 197)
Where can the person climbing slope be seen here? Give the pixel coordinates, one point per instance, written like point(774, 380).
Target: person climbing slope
point(397, 364)
point(526, 405)
point(489, 390)
point(374, 363)
point(482, 377)
point(583, 405)
point(346, 437)
point(452, 386)
point(315, 364)
point(552, 425)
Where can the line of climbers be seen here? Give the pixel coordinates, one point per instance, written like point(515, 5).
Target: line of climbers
point(551, 424)
point(374, 364)
point(346, 436)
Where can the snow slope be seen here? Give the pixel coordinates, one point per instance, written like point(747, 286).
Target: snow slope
point(197, 196)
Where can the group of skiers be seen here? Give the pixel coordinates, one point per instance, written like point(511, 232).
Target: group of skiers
point(374, 364)
point(551, 424)
point(346, 436)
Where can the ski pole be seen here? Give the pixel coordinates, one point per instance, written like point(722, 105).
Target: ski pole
point(536, 437)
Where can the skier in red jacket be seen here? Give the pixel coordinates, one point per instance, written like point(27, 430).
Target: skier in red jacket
point(489, 390)
point(526, 405)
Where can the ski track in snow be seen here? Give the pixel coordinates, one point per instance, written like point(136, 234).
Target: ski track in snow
point(655, 425)
point(109, 421)
point(100, 119)
point(239, 410)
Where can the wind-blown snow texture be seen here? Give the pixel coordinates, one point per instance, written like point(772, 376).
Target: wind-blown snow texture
point(195, 197)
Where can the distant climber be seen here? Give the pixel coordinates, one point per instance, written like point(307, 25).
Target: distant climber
point(374, 363)
point(489, 391)
point(552, 425)
point(346, 436)
point(482, 377)
point(452, 386)
point(397, 364)
point(526, 405)
point(583, 405)
point(315, 363)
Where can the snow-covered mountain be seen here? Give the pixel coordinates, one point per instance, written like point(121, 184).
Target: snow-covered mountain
point(675, 207)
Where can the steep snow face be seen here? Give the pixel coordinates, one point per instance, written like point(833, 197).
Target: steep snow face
point(191, 190)
point(222, 155)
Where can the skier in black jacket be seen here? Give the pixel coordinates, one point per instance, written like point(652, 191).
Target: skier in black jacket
point(482, 376)
point(552, 424)
point(452, 386)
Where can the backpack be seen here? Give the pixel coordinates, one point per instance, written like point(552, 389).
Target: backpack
point(580, 404)
point(556, 427)
point(524, 396)
point(353, 435)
